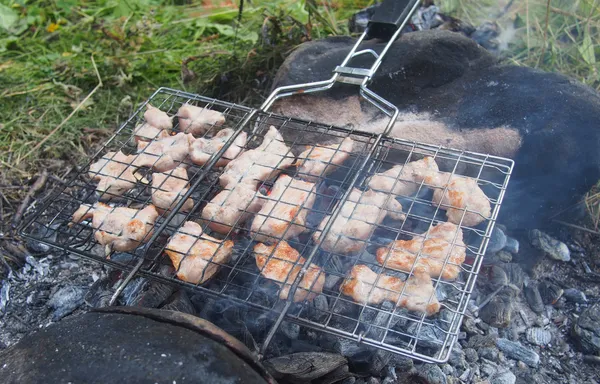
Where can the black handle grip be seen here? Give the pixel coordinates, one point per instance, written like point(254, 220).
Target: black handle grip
point(388, 17)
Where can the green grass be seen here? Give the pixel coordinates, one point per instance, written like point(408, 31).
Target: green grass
point(46, 70)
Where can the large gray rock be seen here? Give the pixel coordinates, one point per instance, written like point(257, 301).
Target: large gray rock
point(452, 92)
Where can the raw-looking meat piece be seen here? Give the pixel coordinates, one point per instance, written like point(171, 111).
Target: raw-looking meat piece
point(120, 229)
point(231, 207)
point(283, 214)
point(198, 120)
point(404, 179)
point(195, 255)
point(360, 215)
point(168, 188)
point(259, 164)
point(202, 149)
point(283, 267)
point(462, 193)
point(319, 161)
point(435, 248)
point(146, 132)
point(157, 118)
point(165, 153)
point(114, 173)
point(419, 293)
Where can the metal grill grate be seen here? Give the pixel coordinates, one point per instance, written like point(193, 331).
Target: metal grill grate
point(341, 193)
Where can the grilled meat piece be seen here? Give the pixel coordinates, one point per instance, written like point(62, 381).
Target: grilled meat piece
point(165, 153)
point(168, 188)
point(198, 120)
point(146, 132)
point(282, 263)
point(434, 249)
point(114, 173)
point(360, 215)
point(195, 255)
point(319, 161)
point(157, 118)
point(419, 293)
point(231, 207)
point(461, 193)
point(283, 214)
point(202, 149)
point(121, 229)
point(259, 164)
point(404, 179)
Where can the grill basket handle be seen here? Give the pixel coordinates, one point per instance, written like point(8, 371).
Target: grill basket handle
point(388, 17)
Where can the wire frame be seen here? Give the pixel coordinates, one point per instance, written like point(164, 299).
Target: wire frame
point(281, 233)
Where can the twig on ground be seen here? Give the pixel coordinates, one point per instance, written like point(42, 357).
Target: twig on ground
point(35, 188)
point(59, 126)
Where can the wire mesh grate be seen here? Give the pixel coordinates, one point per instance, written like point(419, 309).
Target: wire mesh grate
point(339, 230)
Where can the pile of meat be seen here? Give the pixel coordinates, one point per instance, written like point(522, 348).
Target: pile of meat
point(281, 215)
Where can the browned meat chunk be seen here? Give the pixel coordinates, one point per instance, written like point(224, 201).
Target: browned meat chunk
point(157, 118)
point(283, 214)
point(195, 255)
point(198, 120)
point(202, 149)
point(282, 263)
point(231, 207)
point(114, 173)
point(463, 196)
point(360, 215)
point(319, 161)
point(120, 229)
point(419, 293)
point(443, 242)
point(168, 188)
point(165, 153)
point(262, 163)
point(404, 179)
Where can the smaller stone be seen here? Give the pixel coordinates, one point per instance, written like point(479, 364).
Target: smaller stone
point(457, 359)
point(555, 249)
point(512, 245)
point(538, 336)
point(534, 299)
point(522, 365)
point(506, 377)
point(498, 312)
point(489, 353)
point(497, 241)
point(575, 295)
point(471, 355)
point(291, 330)
point(517, 351)
point(65, 301)
point(432, 373)
point(550, 292)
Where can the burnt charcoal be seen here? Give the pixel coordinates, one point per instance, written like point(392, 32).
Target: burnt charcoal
point(349, 380)
point(373, 380)
point(179, 302)
point(42, 232)
point(497, 277)
point(318, 309)
point(550, 292)
point(432, 373)
point(143, 292)
point(428, 336)
point(515, 274)
point(340, 373)
point(534, 298)
point(517, 351)
point(538, 336)
point(304, 367)
point(305, 346)
point(555, 249)
point(331, 281)
point(504, 377)
point(489, 353)
point(458, 358)
point(100, 293)
point(512, 246)
point(290, 330)
point(471, 355)
point(378, 361)
point(575, 295)
point(498, 312)
point(65, 301)
point(497, 241)
point(481, 341)
point(586, 330)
